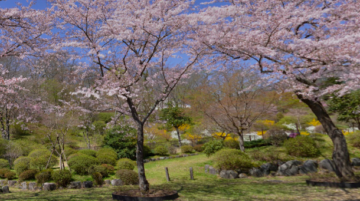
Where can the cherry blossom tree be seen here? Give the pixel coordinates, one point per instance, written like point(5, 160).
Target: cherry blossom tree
point(137, 46)
point(298, 42)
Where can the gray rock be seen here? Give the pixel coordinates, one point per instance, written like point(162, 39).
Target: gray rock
point(267, 168)
point(75, 185)
point(146, 160)
point(256, 172)
point(11, 183)
point(116, 182)
point(308, 167)
point(87, 184)
point(228, 174)
point(212, 170)
point(355, 162)
point(207, 168)
point(32, 186)
point(289, 168)
point(242, 175)
point(5, 189)
point(107, 182)
point(49, 186)
point(327, 165)
point(161, 158)
point(23, 186)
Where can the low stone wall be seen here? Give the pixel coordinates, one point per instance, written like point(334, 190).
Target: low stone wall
point(168, 157)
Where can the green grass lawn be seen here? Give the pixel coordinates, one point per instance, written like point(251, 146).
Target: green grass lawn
point(204, 187)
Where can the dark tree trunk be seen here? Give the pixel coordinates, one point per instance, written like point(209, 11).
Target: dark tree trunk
point(340, 155)
point(143, 183)
point(178, 134)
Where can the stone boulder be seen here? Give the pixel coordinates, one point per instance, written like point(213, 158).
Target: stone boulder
point(116, 182)
point(355, 162)
point(309, 166)
point(87, 184)
point(207, 168)
point(32, 186)
point(5, 189)
point(75, 185)
point(228, 174)
point(242, 175)
point(49, 186)
point(107, 182)
point(11, 183)
point(267, 168)
point(289, 168)
point(256, 172)
point(328, 165)
point(24, 186)
point(212, 170)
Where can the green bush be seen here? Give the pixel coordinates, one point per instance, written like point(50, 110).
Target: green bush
point(302, 146)
point(69, 151)
point(23, 159)
point(4, 163)
point(100, 169)
point(3, 171)
point(105, 159)
point(354, 139)
point(231, 143)
point(212, 146)
point(161, 150)
point(88, 152)
point(125, 164)
point(122, 140)
point(199, 147)
point(186, 149)
point(39, 159)
point(147, 151)
point(107, 151)
point(10, 175)
point(75, 154)
point(21, 167)
point(43, 176)
point(232, 159)
point(109, 168)
point(276, 136)
point(256, 143)
point(28, 175)
point(98, 178)
point(61, 177)
point(81, 163)
point(128, 177)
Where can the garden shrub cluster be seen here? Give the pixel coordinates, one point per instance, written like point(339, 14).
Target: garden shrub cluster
point(187, 149)
point(109, 168)
point(3, 171)
point(128, 177)
point(232, 159)
point(98, 178)
point(4, 163)
point(212, 147)
point(276, 136)
point(61, 177)
point(39, 159)
point(256, 143)
point(28, 175)
point(100, 169)
point(198, 147)
point(88, 152)
point(43, 176)
point(81, 163)
point(161, 150)
point(302, 146)
point(107, 156)
point(10, 175)
point(231, 143)
point(22, 164)
point(123, 140)
point(125, 164)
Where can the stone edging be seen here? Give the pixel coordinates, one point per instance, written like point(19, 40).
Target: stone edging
point(169, 157)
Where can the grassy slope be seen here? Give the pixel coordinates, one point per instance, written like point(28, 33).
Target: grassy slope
point(206, 186)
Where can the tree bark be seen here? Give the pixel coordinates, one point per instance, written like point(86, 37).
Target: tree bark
point(340, 155)
point(143, 183)
point(178, 134)
point(241, 143)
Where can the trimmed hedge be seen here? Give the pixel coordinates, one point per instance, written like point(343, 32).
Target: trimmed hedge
point(10, 175)
point(109, 168)
point(108, 152)
point(212, 147)
point(21, 166)
point(4, 163)
point(302, 146)
point(81, 163)
point(39, 159)
point(98, 178)
point(256, 143)
point(28, 175)
point(161, 151)
point(232, 159)
point(88, 152)
point(100, 169)
point(105, 159)
point(128, 177)
point(187, 149)
point(43, 176)
point(125, 164)
point(3, 171)
point(231, 143)
point(61, 177)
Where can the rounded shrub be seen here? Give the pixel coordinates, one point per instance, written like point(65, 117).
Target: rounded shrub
point(88, 152)
point(232, 159)
point(109, 168)
point(4, 163)
point(125, 164)
point(39, 159)
point(161, 151)
point(100, 169)
point(128, 177)
point(22, 159)
point(186, 149)
point(21, 167)
point(27, 175)
point(231, 143)
point(98, 178)
point(81, 163)
point(107, 151)
point(302, 146)
point(3, 171)
point(105, 159)
point(69, 151)
point(61, 177)
point(10, 175)
point(212, 146)
point(43, 176)
point(147, 151)
point(276, 136)
point(354, 139)
point(75, 154)
point(198, 147)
